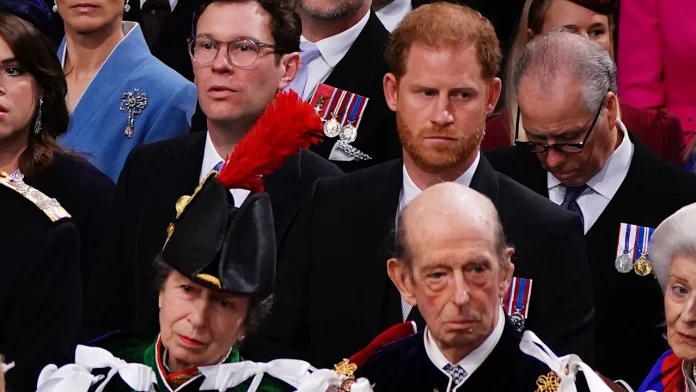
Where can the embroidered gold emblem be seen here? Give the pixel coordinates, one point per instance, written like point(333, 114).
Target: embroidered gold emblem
point(345, 368)
point(548, 383)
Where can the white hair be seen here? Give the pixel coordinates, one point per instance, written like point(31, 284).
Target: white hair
point(674, 236)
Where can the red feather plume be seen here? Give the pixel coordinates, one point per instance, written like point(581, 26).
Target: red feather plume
point(288, 125)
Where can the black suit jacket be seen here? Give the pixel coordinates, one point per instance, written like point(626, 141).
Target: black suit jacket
point(153, 179)
point(630, 309)
point(333, 295)
point(362, 71)
point(170, 46)
point(40, 290)
point(405, 366)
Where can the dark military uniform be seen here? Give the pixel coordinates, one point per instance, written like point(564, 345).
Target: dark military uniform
point(40, 290)
point(405, 366)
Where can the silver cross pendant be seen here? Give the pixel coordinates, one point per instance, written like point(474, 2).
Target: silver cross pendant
point(133, 103)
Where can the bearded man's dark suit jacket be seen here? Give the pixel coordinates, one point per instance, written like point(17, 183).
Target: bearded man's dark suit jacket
point(630, 308)
point(122, 293)
point(361, 71)
point(333, 295)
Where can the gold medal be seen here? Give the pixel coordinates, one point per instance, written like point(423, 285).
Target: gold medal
point(642, 266)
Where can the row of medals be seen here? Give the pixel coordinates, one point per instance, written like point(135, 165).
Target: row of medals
point(642, 266)
point(332, 127)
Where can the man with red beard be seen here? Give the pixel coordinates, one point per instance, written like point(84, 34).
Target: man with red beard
point(333, 294)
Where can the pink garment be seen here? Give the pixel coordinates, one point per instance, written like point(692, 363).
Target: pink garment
point(657, 57)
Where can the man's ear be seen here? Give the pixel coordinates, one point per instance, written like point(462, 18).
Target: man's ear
point(391, 90)
point(289, 66)
point(613, 107)
point(506, 273)
point(494, 90)
point(400, 275)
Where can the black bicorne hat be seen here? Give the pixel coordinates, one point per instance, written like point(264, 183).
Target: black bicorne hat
point(217, 244)
point(231, 248)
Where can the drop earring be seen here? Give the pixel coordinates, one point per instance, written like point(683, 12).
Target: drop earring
point(127, 7)
point(37, 124)
point(55, 6)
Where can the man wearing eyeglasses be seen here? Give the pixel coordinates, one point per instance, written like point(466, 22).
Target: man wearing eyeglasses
point(243, 53)
point(578, 154)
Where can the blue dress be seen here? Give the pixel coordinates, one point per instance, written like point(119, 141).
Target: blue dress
point(132, 91)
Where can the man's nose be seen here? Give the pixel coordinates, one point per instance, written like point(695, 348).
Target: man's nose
point(461, 291)
point(443, 115)
point(554, 158)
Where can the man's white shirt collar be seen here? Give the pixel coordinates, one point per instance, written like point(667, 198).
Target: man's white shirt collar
point(610, 178)
point(334, 48)
point(172, 4)
point(393, 13)
point(211, 158)
point(472, 361)
point(411, 190)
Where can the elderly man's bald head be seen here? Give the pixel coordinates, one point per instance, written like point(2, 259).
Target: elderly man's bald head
point(454, 265)
point(447, 210)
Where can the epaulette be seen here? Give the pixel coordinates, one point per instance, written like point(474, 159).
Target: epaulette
point(49, 206)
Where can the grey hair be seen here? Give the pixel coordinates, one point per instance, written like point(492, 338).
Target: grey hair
point(561, 52)
point(675, 236)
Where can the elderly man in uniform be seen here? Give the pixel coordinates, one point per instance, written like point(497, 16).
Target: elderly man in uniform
point(582, 157)
point(453, 263)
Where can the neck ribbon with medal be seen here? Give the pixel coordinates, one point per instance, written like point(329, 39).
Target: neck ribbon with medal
point(516, 301)
point(634, 240)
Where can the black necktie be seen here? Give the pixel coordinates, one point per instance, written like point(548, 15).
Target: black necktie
point(154, 13)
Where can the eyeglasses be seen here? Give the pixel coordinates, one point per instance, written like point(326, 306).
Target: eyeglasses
point(241, 52)
point(566, 148)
